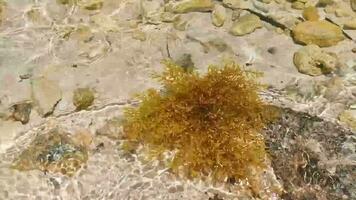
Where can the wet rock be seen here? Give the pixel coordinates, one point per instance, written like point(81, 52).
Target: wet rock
point(350, 24)
point(46, 94)
point(245, 25)
point(186, 6)
point(313, 61)
point(321, 33)
point(353, 5)
point(21, 112)
point(311, 14)
point(83, 98)
point(218, 15)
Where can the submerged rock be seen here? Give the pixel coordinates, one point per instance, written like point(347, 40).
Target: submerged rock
point(321, 33)
point(54, 152)
point(324, 3)
point(312, 60)
point(46, 94)
point(308, 157)
point(93, 4)
point(218, 15)
point(186, 6)
point(311, 14)
point(245, 25)
point(83, 98)
point(186, 62)
point(21, 112)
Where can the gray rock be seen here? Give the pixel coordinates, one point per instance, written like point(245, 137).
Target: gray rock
point(46, 94)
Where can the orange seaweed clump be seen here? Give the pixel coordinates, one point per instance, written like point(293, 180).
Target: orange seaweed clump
point(212, 122)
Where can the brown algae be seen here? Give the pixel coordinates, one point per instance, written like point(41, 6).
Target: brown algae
point(212, 122)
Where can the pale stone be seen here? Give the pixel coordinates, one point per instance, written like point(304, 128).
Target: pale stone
point(321, 33)
point(218, 15)
point(46, 94)
point(246, 24)
point(186, 6)
point(313, 61)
